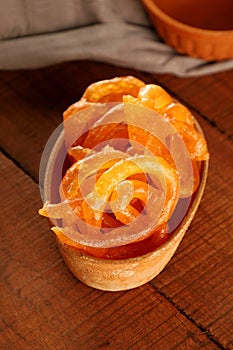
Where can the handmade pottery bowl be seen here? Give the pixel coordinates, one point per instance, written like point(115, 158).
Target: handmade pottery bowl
point(117, 275)
point(198, 28)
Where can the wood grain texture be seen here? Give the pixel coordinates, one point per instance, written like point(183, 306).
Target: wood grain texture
point(32, 102)
point(199, 279)
point(188, 306)
point(44, 307)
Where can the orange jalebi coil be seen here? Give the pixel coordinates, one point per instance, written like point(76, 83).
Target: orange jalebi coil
point(107, 183)
point(131, 250)
point(122, 183)
point(156, 98)
point(111, 90)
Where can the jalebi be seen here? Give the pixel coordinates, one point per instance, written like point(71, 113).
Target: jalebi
point(109, 188)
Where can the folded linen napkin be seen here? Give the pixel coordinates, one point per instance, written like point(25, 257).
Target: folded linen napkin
point(36, 33)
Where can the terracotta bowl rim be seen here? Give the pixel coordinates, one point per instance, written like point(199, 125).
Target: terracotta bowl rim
point(155, 10)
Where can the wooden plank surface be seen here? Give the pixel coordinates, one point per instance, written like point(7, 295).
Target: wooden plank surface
point(188, 306)
point(198, 278)
point(44, 307)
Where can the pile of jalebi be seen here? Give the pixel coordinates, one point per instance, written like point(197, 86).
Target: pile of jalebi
point(108, 188)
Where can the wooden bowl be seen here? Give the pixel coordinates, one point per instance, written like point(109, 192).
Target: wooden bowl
point(117, 275)
point(198, 28)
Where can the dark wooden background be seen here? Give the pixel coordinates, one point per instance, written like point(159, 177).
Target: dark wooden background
point(188, 306)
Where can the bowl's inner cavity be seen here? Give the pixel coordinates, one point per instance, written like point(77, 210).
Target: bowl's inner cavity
point(206, 14)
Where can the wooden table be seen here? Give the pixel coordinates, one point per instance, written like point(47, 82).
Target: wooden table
point(43, 306)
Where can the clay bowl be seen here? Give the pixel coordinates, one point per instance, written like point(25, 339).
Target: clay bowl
point(118, 275)
point(198, 28)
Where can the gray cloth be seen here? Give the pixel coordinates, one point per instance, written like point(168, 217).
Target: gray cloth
point(38, 33)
